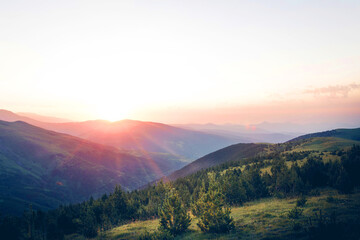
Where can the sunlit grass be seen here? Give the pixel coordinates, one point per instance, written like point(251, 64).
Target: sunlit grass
point(265, 218)
point(325, 144)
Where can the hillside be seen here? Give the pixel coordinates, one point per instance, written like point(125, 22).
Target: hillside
point(136, 135)
point(350, 134)
point(261, 219)
point(272, 190)
point(46, 168)
point(43, 118)
point(231, 153)
point(323, 141)
point(9, 116)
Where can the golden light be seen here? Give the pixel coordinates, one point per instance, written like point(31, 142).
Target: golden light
point(113, 112)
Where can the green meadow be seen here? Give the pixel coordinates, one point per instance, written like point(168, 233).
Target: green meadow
point(262, 219)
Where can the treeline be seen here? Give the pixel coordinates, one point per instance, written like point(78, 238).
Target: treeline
point(269, 175)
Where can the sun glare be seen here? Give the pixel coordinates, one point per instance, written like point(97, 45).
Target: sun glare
point(112, 112)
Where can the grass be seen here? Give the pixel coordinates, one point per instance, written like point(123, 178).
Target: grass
point(262, 219)
point(326, 144)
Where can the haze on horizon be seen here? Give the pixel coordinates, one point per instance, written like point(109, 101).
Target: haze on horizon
point(182, 61)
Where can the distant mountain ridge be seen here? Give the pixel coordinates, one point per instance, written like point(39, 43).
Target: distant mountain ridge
point(244, 134)
point(47, 168)
point(136, 135)
point(42, 118)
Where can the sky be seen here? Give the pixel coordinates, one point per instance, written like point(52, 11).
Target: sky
point(182, 61)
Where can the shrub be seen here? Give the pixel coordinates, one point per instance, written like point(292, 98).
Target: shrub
point(295, 213)
point(329, 228)
point(157, 235)
point(296, 226)
point(331, 199)
point(301, 202)
point(315, 192)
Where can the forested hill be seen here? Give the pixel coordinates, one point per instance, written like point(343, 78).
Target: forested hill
point(234, 152)
point(350, 134)
point(322, 141)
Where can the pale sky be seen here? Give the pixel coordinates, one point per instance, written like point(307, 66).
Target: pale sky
point(182, 61)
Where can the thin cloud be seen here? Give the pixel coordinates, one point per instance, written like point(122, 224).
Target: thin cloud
point(338, 91)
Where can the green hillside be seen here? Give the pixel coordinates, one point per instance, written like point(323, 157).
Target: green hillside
point(324, 141)
point(350, 134)
point(261, 219)
point(259, 191)
point(325, 144)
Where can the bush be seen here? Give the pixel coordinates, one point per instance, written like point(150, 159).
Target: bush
point(315, 192)
point(296, 226)
point(331, 199)
point(295, 213)
point(157, 235)
point(327, 227)
point(301, 202)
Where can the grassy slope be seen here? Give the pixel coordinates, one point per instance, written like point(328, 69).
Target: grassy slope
point(327, 141)
point(350, 134)
point(265, 218)
point(325, 144)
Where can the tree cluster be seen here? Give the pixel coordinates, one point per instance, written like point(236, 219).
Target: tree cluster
point(208, 193)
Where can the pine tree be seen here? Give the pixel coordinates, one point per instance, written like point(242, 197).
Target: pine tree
point(213, 216)
point(173, 215)
point(343, 183)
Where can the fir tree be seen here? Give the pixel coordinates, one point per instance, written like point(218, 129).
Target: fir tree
point(213, 216)
point(173, 215)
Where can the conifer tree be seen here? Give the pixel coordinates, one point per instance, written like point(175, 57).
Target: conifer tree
point(213, 216)
point(173, 215)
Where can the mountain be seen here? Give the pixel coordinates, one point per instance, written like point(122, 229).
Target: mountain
point(148, 136)
point(9, 116)
point(244, 134)
point(290, 128)
point(232, 153)
point(46, 168)
point(42, 118)
point(137, 135)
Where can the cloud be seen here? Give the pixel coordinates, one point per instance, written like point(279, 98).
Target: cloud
point(338, 91)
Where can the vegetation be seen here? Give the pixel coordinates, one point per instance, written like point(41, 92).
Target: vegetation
point(173, 215)
point(282, 173)
point(266, 218)
point(209, 208)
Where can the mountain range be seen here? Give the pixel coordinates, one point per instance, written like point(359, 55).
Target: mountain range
point(136, 135)
point(75, 160)
point(244, 134)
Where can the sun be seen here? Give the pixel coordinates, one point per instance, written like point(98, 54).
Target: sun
point(113, 112)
